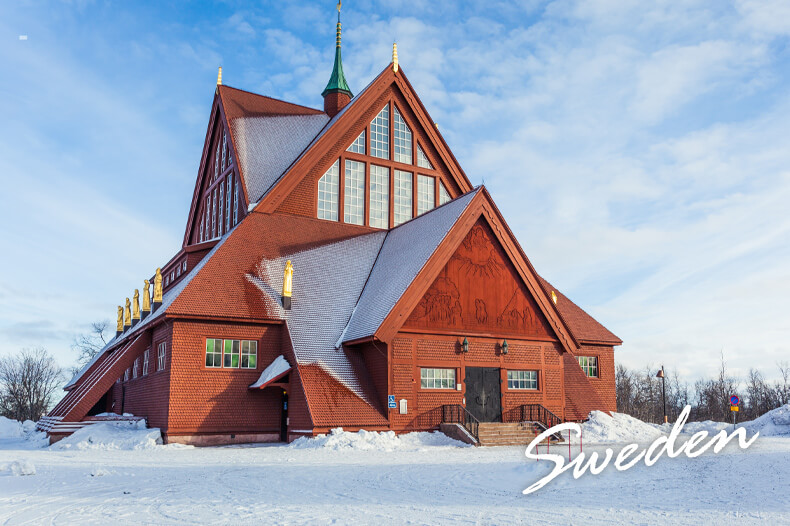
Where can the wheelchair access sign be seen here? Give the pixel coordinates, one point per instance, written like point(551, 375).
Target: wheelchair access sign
point(391, 402)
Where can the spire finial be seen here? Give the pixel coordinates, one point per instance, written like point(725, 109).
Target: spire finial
point(219, 77)
point(395, 57)
point(337, 81)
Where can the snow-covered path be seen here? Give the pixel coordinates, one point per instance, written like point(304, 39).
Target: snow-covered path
point(282, 485)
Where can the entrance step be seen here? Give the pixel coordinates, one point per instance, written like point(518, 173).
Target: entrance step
point(507, 434)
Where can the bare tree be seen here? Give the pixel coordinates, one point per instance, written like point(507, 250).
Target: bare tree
point(87, 344)
point(782, 387)
point(28, 382)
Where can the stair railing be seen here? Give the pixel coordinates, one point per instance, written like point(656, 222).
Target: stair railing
point(457, 414)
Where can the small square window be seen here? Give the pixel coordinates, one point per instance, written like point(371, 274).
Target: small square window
point(589, 365)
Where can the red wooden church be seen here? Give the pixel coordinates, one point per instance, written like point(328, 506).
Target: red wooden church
point(339, 269)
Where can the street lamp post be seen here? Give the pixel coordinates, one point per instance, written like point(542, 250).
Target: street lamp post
point(663, 390)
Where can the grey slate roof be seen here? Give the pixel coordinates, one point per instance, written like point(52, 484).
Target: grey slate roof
point(404, 253)
point(268, 145)
point(326, 285)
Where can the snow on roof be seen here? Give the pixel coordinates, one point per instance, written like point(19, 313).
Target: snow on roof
point(277, 368)
point(167, 298)
point(405, 251)
point(326, 285)
point(268, 145)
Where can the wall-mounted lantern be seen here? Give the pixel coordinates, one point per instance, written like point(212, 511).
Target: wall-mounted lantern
point(504, 346)
point(465, 345)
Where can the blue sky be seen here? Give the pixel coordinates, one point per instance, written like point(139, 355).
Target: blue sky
point(639, 150)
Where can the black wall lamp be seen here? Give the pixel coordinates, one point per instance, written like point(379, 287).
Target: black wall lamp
point(504, 346)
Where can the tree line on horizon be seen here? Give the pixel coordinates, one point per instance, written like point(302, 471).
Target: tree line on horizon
point(639, 394)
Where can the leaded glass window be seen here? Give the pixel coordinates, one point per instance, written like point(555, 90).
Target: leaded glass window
point(354, 199)
point(426, 193)
point(224, 151)
point(214, 214)
point(329, 193)
point(402, 206)
point(380, 134)
point(231, 354)
point(522, 380)
point(236, 205)
point(422, 159)
point(161, 353)
point(589, 365)
point(249, 354)
point(444, 195)
point(146, 356)
point(437, 378)
point(379, 196)
point(401, 138)
point(213, 353)
point(358, 146)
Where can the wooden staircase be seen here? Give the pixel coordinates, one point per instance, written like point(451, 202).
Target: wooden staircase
point(507, 433)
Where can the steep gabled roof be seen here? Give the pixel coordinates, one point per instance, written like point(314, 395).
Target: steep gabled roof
point(267, 135)
point(584, 327)
point(348, 116)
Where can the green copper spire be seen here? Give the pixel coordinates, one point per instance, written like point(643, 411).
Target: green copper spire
point(337, 82)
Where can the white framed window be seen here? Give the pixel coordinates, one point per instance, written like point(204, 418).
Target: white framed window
point(329, 193)
point(402, 200)
point(208, 217)
point(589, 365)
point(200, 239)
point(522, 380)
point(126, 374)
point(379, 196)
point(422, 159)
point(224, 150)
point(380, 134)
point(426, 193)
point(213, 352)
point(146, 356)
point(437, 378)
point(444, 195)
point(231, 354)
point(216, 162)
point(236, 205)
point(184, 265)
point(161, 352)
point(214, 214)
point(401, 138)
point(228, 196)
point(249, 354)
point(136, 367)
point(358, 146)
point(221, 222)
point(354, 198)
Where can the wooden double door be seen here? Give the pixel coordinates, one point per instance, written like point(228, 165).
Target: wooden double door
point(484, 393)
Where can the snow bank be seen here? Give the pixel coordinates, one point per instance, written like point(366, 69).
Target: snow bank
point(337, 439)
point(18, 468)
point(112, 435)
point(771, 424)
point(602, 428)
point(10, 428)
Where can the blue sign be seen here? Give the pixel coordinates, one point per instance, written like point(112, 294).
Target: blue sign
point(391, 402)
point(734, 400)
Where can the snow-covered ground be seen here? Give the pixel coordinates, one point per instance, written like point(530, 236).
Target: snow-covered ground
point(122, 476)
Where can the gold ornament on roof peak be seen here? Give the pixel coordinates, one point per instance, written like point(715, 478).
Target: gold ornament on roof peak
point(554, 297)
point(158, 286)
point(119, 327)
point(395, 57)
point(338, 5)
point(147, 296)
point(136, 305)
point(219, 77)
point(127, 314)
point(288, 276)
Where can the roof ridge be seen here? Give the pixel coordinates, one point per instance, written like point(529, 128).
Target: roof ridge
point(225, 86)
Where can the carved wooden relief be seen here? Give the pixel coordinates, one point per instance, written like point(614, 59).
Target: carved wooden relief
point(480, 290)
